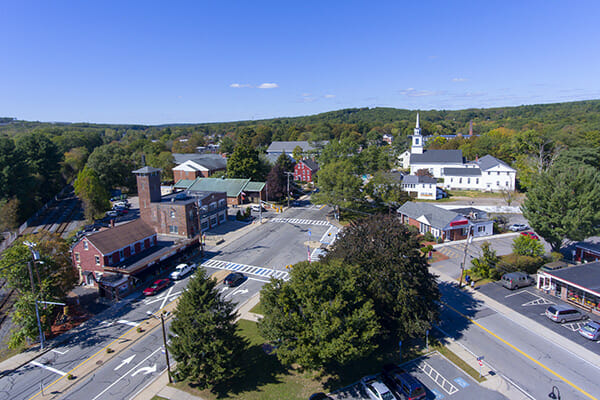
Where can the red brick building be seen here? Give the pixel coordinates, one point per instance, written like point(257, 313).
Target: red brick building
point(304, 170)
point(192, 166)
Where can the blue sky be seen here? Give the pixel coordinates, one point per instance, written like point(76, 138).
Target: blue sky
point(156, 62)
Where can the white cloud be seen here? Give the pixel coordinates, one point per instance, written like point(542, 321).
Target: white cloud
point(411, 92)
point(268, 86)
point(459, 80)
point(240, 85)
point(305, 94)
point(329, 96)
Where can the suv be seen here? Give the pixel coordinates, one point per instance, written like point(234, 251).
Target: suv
point(518, 227)
point(515, 280)
point(403, 383)
point(376, 389)
point(562, 314)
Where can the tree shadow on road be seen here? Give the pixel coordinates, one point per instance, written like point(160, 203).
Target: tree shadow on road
point(459, 307)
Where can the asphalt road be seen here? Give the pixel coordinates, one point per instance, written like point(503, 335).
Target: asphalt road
point(270, 246)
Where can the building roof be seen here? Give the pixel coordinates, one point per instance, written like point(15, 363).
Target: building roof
point(184, 183)
point(146, 170)
point(209, 161)
point(487, 162)
point(254, 187)
point(395, 176)
point(438, 217)
point(233, 187)
point(437, 156)
point(474, 214)
point(585, 275)
point(312, 165)
point(416, 179)
point(461, 172)
point(109, 240)
point(288, 147)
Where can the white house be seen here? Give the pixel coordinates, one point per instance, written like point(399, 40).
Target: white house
point(425, 187)
point(486, 174)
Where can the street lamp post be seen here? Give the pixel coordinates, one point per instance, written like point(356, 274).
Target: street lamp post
point(288, 187)
point(553, 395)
point(162, 321)
point(36, 257)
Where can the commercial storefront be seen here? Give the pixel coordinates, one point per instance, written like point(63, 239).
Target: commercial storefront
point(579, 285)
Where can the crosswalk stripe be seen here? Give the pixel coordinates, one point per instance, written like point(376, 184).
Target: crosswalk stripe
point(248, 269)
point(300, 221)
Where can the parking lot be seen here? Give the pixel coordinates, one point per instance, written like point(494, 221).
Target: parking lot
point(441, 378)
point(532, 303)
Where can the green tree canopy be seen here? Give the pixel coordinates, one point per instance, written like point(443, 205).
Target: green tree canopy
point(320, 317)
point(338, 184)
point(564, 203)
point(526, 246)
point(90, 190)
point(205, 341)
point(245, 163)
point(394, 273)
point(485, 265)
point(113, 165)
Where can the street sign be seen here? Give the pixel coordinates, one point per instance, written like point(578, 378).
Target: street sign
point(480, 358)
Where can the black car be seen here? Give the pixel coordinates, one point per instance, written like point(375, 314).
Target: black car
point(403, 383)
point(234, 279)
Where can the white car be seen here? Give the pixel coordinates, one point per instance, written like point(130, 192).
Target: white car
point(182, 270)
point(518, 227)
point(376, 389)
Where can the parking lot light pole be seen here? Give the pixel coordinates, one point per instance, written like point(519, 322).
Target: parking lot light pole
point(162, 321)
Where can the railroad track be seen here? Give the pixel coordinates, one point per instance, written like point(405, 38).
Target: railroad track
point(7, 302)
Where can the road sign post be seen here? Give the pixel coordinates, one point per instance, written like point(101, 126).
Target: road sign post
point(480, 360)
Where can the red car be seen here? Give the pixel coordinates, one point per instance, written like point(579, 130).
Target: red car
point(156, 287)
point(531, 235)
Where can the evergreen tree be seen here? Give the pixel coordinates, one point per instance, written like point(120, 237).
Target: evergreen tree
point(245, 163)
point(205, 342)
point(394, 273)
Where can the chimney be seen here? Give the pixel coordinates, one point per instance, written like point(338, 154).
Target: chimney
point(112, 223)
point(471, 128)
point(143, 160)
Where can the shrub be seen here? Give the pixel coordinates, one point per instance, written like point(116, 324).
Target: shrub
point(428, 237)
point(140, 329)
point(70, 377)
point(238, 215)
point(515, 262)
point(109, 350)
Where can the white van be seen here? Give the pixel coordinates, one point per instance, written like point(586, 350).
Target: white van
point(515, 280)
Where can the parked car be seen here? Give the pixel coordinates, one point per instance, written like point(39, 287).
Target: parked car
point(234, 279)
point(112, 214)
point(518, 227)
point(256, 208)
point(531, 235)
point(515, 280)
point(403, 383)
point(156, 287)
point(562, 314)
point(182, 270)
point(376, 389)
point(319, 396)
point(591, 330)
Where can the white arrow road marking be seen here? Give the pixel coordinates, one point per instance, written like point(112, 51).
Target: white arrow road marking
point(240, 292)
point(126, 373)
point(125, 322)
point(145, 370)
point(224, 289)
point(173, 295)
point(37, 364)
point(125, 361)
point(62, 353)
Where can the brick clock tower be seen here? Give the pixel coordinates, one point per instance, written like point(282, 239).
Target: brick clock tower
point(148, 185)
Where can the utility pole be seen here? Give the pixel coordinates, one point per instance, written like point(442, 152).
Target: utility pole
point(288, 187)
point(164, 332)
point(462, 265)
point(36, 256)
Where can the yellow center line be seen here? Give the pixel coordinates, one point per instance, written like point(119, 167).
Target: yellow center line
point(524, 354)
point(96, 353)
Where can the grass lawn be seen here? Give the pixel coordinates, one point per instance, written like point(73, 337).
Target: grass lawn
point(459, 362)
point(257, 309)
point(158, 398)
point(6, 353)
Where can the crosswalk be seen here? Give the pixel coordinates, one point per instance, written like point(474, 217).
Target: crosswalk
point(299, 221)
point(453, 252)
point(247, 269)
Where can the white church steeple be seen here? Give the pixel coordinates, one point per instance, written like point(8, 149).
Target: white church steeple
point(417, 139)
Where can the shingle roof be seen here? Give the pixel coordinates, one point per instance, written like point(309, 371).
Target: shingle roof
point(415, 179)
point(208, 161)
point(310, 164)
point(146, 170)
point(254, 187)
point(461, 171)
point(437, 156)
point(487, 162)
point(288, 147)
point(586, 275)
point(438, 217)
point(109, 240)
point(232, 187)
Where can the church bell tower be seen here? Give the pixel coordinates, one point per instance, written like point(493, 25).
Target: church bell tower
point(417, 139)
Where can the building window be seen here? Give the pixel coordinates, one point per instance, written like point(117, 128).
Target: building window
point(497, 183)
point(77, 257)
point(451, 180)
point(423, 228)
point(477, 181)
point(489, 173)
point(121, 254)
point(498, 173)
point(468, 180)
point(416, 141)
point(459, 180)
point(481, 229)
point(85, 245)
point(173, 229)
point(173, 213)
point(506, 184)
point(132, 249)
point(97, 258)
point(141, 245)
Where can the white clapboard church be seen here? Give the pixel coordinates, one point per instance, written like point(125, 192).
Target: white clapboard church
point(486, 173)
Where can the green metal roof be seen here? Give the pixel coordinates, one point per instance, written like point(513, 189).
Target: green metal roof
point(233, 187)
point(254, 186)
point(184, 183)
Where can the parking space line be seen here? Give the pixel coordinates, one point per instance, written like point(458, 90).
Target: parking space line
point(445, 384)
point(46, 367)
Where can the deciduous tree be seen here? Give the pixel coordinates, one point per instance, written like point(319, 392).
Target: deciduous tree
point(91, 191)
point(321, 317)
point(527, 246)
point(205, 342)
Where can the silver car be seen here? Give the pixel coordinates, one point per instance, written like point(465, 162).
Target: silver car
point(376, 389)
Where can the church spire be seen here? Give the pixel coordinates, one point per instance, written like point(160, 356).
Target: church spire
point(417, 122)
point(417, 140)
